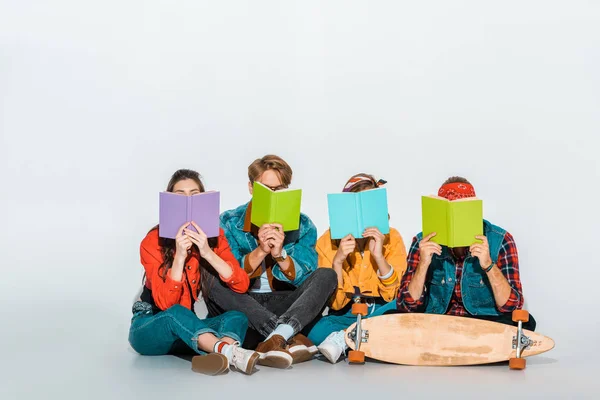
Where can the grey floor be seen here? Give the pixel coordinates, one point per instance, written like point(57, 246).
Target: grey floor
point(81, 352)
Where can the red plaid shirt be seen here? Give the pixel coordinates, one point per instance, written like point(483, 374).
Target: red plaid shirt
point(508, 262)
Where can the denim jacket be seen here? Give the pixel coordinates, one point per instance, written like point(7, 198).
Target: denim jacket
point(477, 294)
point(299, 244)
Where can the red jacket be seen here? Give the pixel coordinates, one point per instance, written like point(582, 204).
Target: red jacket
point(167, 293)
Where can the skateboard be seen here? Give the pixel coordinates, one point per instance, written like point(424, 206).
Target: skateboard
point(441, 340)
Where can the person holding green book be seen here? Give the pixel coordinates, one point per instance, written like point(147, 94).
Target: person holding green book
point(480, 280)
point(370, 265)
point(287, 291)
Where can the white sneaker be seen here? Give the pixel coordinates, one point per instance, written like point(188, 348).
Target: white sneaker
point(243, 360)
point(333, 346)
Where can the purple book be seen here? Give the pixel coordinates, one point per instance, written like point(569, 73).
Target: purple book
point(177, 209)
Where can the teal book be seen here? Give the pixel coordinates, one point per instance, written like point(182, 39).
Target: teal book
point(352, 213)
point(276, 207)
point(456, 223)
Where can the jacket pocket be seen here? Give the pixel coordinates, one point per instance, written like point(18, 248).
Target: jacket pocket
point(479, 292)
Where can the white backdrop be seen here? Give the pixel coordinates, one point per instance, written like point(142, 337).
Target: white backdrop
point(100, 102)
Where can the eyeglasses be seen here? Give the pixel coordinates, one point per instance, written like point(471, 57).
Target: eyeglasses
point(276, 188)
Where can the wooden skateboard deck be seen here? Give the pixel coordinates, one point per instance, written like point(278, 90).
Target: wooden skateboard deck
point(442, 340)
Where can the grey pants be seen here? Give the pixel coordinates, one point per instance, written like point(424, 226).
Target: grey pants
point(297, 308)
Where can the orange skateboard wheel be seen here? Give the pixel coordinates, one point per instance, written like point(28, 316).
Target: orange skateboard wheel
point(517, 363)
point(360, 308)
point(520, 315)
point(356, 357)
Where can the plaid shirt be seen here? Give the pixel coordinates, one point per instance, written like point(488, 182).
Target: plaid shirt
point(508, 262)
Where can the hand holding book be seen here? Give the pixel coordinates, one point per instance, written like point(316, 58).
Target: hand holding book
point(199, 239)
point(183, 243)
point(347, 246)
point(376, 242)
point(427, 248)
point(482, 252)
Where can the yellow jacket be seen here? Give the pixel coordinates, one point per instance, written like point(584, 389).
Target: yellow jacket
point(362, 271)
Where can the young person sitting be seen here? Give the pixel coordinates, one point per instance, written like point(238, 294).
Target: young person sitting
point(370, 265)
point(287, 291)
point(480, 281)
point(176, 269)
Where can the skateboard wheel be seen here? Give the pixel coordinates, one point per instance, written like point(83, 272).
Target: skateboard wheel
point(520, 315)
point(356, 357)
point(517, 363)
point(360, 308)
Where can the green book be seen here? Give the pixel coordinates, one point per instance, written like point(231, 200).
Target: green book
point(456, 222)
point(276, 207)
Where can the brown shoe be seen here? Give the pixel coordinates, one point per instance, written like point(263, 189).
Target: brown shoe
point(210, 364)
point(273, 353)
point(301, 348)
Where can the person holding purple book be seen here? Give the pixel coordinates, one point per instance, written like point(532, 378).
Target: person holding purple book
point(288, 293)
point(164, 321)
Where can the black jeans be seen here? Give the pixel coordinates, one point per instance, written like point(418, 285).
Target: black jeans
point(299, 308)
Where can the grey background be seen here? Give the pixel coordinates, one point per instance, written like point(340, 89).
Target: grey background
point(101, 101)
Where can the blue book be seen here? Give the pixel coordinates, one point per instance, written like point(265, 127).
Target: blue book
point(354, 212)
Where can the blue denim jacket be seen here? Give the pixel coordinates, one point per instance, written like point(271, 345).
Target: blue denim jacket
point(299, 244)
point(477, 294)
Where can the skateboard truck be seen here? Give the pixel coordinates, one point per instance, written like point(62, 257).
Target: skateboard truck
point(520, 341)
point(359, 336)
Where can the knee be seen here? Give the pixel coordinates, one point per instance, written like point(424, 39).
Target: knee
point(329, 276)
point(237, 316)
point(176, 309)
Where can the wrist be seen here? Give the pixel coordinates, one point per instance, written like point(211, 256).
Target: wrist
point(259, 252)
point(209, 256)
point(338, 263)
point(180, 257)
point(379, 259)
point(489, 267)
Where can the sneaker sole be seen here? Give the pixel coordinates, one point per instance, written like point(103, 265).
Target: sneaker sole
point(210, 364)
point(276, 359)
point(329, 356)
point(252, 363)
point(301, 353)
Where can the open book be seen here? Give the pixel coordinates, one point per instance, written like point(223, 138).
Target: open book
point(456, 222)
point(354, 212)
point(177, 209)
point(276, 207)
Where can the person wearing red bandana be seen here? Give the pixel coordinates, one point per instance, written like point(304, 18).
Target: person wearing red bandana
point(480, 281)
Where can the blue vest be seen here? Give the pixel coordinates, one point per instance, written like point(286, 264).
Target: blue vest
point(475, 287)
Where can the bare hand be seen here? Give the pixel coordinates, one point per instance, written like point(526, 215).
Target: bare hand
point(199, 239)
point(264, 238)
point(376, 242)
point(277, 237)
point(482, 252)
point(182, 242)
point(427, 249)
point(347, 246)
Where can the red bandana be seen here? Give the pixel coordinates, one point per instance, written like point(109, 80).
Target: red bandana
point(457, 190)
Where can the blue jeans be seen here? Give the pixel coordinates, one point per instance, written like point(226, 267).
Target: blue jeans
point(176, 330)
point(340, 320)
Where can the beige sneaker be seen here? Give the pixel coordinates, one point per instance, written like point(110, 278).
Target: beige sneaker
point(273, 353)
point(301, 348)
point(243, 360)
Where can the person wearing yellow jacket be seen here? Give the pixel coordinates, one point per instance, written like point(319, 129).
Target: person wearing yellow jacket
point(371, 266)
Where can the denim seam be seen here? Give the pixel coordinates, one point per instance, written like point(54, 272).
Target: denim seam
point(292, 321)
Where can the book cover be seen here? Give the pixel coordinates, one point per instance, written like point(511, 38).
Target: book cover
point(276, 207)
point(352, 213)
point(177, 209)
point(455, 222)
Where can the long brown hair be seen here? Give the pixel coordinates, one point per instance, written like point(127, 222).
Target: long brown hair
point(168, 246)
